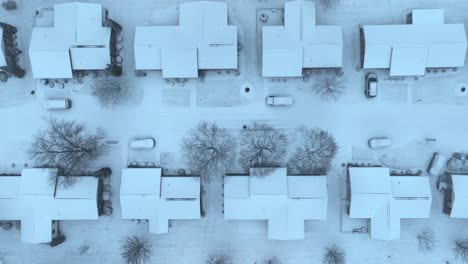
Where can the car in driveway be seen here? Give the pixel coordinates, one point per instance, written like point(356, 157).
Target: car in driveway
point(57, 104)
point(279, 100)
point(380, 142)
point(143, 143)
point(371, 85)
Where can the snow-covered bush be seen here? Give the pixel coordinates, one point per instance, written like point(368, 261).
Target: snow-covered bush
point(461, 250)
point(426, 240)
point(334, 255)
point(135, 250)
point(111, 92)
point(330, 87)
point(271, 260)
point(218, 259)
point(9, 5)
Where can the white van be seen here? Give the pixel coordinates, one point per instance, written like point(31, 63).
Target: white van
point(279, 100)
point(143, 143)
point(436, 165)
point(57, 104)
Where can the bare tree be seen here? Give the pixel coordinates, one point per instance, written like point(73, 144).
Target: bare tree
point(135, 250)
point(329, 4)
point(262, 146)
point(330, 88)
point(209, 149)
point(314, 151)
point(426, 240)
point(111, 92)
point(218, 259)
point(66, 145)
point(461, 250)
point(334, 255)
point(272, 260)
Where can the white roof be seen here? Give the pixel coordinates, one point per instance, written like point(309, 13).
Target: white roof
point(284, 201)
point(36, 205)
point(173, 187)
point(460, 196)
point(141, 181)
point(386, 199)
point(202, 40)
point(409, 49)
point(300, 43)
point(2, 52)
point(78, 41)
point(145, 194)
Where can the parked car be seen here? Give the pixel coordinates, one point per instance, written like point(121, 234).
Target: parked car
point(279, 100)
point(371, 85)
point(143, 143)
point(380, 142)
point(436, 165)
point(57, 104)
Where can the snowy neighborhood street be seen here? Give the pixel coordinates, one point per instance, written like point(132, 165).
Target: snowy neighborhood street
point(420, 115)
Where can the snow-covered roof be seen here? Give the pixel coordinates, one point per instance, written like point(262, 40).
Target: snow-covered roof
point(31, 199)
point(284, 201)
point(460, 196)
point(145, 194)
point(2, 52)
point(409, 49)
point(78, 41)
point(300, 43)
point(387, 199)
point(203, 40)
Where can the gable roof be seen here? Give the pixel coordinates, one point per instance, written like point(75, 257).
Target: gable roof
point(409, 49)
point(300, 43)
point(284, 201)
point(78, 41)
point(386, 199)
point(203, 40)
point(146, 194)
point(31, 200)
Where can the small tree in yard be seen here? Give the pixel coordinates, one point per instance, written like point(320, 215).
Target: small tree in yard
point(210, 149)
point(426, 240)
point(9, 5)
point(314, 152)
point(330, 88)
point(67, 145)
point(218, 259)
point(135, 250)
point(111, 92)
point(334, 255)
point(262, 146)
point(461, 250)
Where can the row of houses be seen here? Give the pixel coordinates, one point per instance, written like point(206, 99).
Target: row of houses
point(284, 202)
point(80, 39)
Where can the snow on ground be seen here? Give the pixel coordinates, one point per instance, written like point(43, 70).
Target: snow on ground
point(407, 111)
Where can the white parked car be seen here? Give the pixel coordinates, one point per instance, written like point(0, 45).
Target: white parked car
point(279, 100)
point(57, 104)
point(436, 165)
point(143, 143)
point(380, 142)
point(371, 84)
